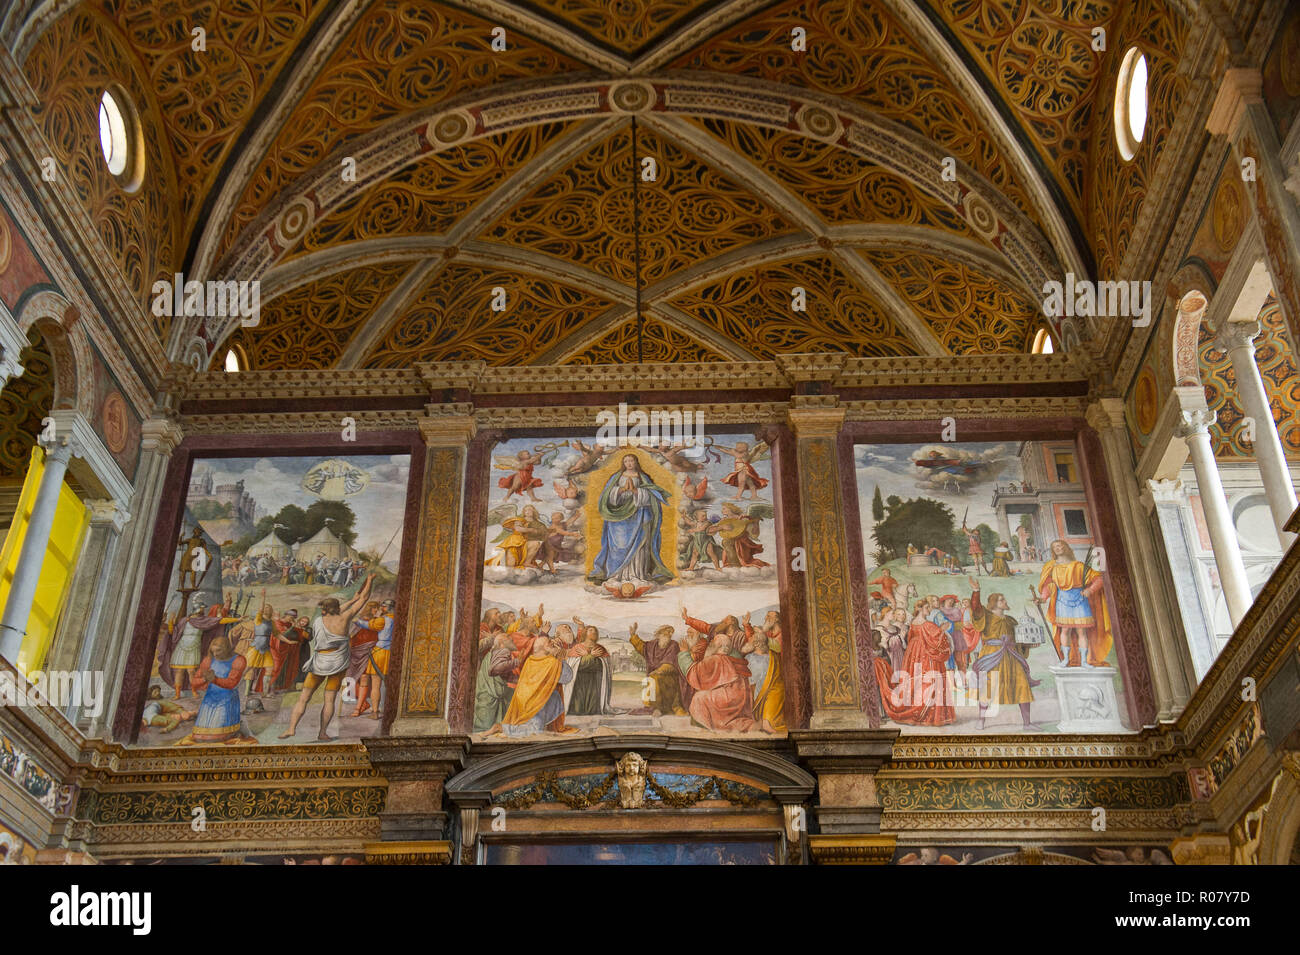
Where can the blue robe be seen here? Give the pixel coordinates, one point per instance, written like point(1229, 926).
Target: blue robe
point(630, 540)
point(218, 716)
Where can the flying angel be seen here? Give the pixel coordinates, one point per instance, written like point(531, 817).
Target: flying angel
point(743, 476)
point(522, 481)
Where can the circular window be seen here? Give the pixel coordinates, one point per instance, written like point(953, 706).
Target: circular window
point(1131, 102)
point(119, 139)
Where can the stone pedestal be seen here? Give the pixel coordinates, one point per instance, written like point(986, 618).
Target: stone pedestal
point(416, 769)
point(845, 763)
point(1088, 702)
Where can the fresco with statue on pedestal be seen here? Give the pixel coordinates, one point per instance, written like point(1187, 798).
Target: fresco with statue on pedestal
point(280, 612)
point(630, 589)
point(987, 590)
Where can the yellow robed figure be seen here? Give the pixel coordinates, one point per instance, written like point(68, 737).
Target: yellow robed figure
point(538, 678)
point(1076, 606)
point(769, 701)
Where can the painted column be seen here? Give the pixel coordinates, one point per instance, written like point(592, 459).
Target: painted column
point(836, 696)
point(1238, 340)
point(159, 437)
point(22, 591)
point(1167, 499)
point(1194, 428)
point(431, 628)
point(1172, 671)
point(1240, 114)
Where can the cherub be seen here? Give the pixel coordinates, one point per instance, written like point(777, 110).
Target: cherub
point(674, 455)
point(695, 491)
point(522, 481)
point(558, 532)
point(700, 545)
point(743, 476)
point(627, 590)
point(590, 458)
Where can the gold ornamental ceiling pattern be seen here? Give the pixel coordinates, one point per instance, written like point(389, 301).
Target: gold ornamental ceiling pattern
point(971, 313)
point(689, 212)
point(857, 50)
point(400, 57)
point(659, 342)
point(1118, 187)
point(454, 319)
point(76, 58)
point(207, 96)
point(1040, 56)
point(628, 26)
point(756, 309)
point(310, 326)
point(431, 196)
point(788, 183)
point(840, 187)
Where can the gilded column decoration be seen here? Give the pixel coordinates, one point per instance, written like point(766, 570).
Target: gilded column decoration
point(835, 693)
point(424, 667)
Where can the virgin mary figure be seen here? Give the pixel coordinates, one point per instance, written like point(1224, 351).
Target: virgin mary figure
point(631, 505)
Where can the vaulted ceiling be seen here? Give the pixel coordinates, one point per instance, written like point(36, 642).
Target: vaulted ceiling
point(389, 177)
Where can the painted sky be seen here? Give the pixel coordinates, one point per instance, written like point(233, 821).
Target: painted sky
point(275, 482)
point(890, 466)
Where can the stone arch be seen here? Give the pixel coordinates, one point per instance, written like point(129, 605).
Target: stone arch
point(1280, 828)
point(56, 320)
point(1185, 357)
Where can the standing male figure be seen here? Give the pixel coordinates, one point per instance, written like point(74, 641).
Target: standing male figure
point(330, 656)
point(999, 655)
point(976, 549)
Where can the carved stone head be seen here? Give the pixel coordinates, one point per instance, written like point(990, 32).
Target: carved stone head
point(631, 780)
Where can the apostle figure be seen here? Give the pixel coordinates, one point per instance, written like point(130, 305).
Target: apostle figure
point(723, 698)
point(491, 692)
point(661, 669)
point(538, 702)
point(769, 686)
point(217, 678)
point(631, 505)
point(1075, 606)
point(1001, 667)
point(593, 679)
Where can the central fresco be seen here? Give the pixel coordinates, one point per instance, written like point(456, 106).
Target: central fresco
point(630, 588)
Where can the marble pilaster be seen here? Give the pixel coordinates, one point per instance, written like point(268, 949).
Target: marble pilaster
point(1172, 670)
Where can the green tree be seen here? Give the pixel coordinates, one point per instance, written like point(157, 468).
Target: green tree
point(877, 506)
point(210, 510)
point(340, 516)
point(918, 521)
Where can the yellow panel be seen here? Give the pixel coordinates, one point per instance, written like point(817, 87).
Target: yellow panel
point(71, 518)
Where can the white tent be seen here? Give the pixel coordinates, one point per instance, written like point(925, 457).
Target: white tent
point(324, 542)
point(270, 544)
